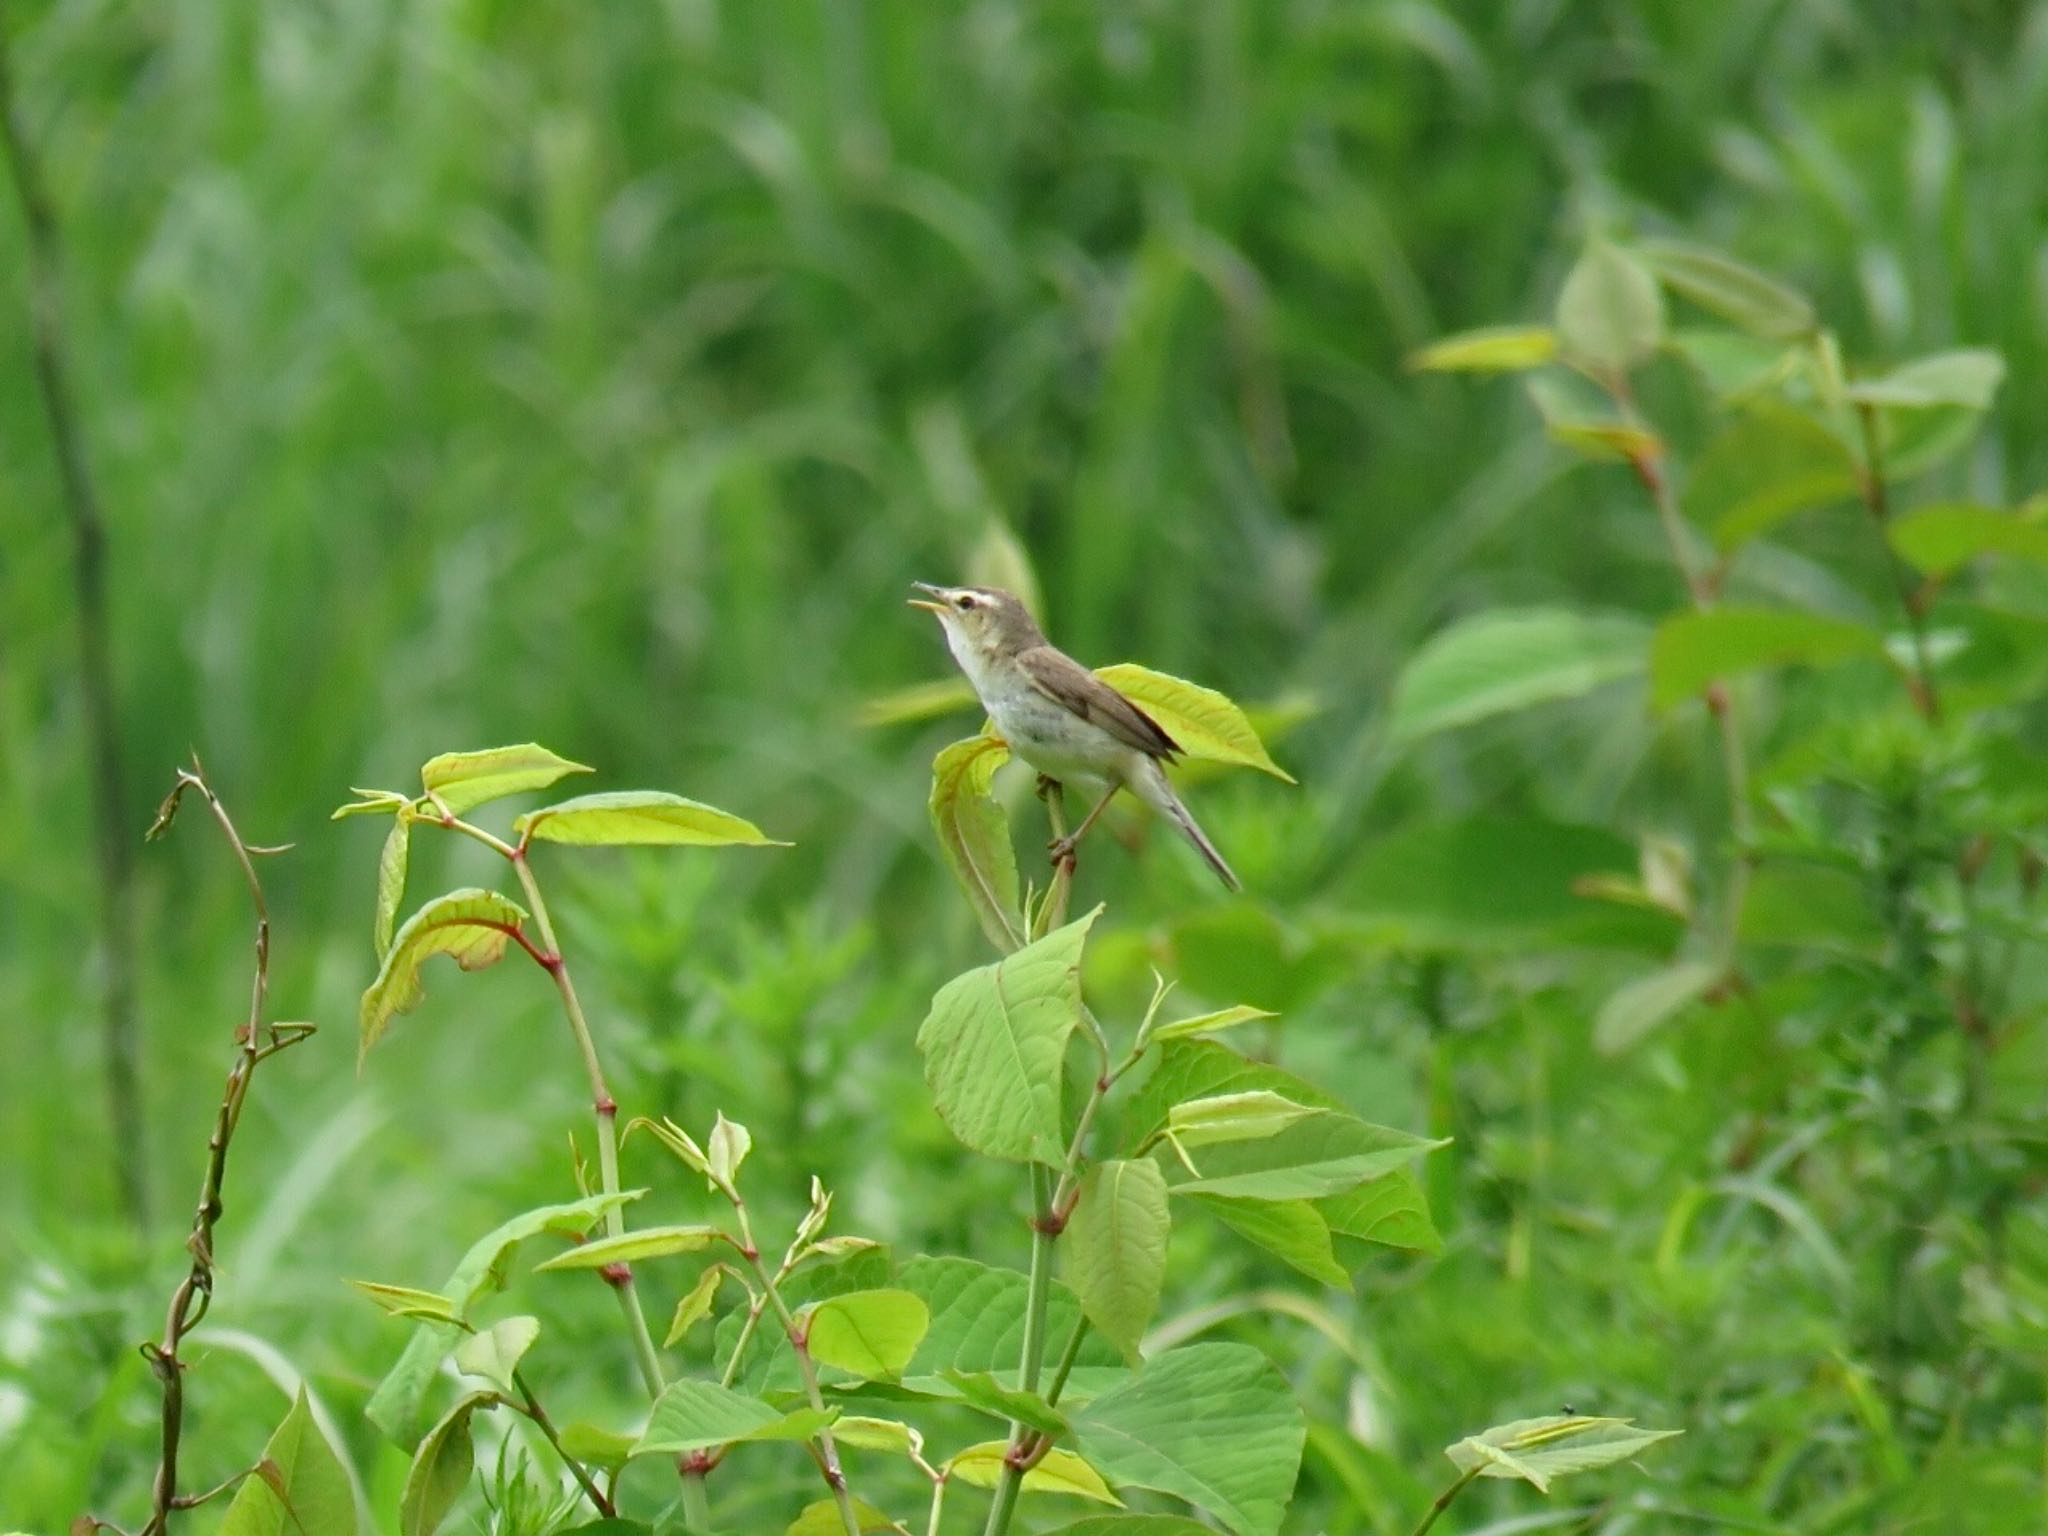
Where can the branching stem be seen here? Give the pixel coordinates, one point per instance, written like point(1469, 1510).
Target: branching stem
point(255, 1044)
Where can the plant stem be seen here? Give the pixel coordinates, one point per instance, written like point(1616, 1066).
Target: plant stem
point(607, 1112)
point(1033, 1355)
point(1877, 500)
point(696, 1504)
point(546, 1426)
point(190, 1301)
point(1068, 1356)
point(1443, 1502)
point(119, 1038)
point(931, 1525)
point(828, 1452)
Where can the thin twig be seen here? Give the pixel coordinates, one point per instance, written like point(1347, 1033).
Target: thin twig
point(256, 1043)
point(119, 1037)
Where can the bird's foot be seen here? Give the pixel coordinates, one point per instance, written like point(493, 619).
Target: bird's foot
point(1061, 851)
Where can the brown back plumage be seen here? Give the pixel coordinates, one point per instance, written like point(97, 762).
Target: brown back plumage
point(1066, 682)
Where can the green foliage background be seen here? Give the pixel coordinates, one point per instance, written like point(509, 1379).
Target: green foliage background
point(482, 372)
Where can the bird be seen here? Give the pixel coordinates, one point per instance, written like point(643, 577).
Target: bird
point(1059, 717)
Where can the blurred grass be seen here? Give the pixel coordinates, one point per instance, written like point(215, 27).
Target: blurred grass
point(479, 372)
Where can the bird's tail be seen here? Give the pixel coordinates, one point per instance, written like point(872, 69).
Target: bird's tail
point(1152, 787)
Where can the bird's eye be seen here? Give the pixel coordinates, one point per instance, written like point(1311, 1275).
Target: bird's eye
point(965, 601)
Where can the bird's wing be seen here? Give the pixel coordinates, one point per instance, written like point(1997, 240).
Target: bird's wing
point(1072, 686)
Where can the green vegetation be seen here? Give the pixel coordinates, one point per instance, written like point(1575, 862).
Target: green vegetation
point(1594, 443)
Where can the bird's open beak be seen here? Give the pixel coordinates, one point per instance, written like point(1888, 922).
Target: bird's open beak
point(929, 607)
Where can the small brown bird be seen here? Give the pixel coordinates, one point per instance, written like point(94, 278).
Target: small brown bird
point(1057, 716)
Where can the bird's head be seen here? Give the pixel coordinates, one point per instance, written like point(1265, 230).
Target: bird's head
point(982, 622)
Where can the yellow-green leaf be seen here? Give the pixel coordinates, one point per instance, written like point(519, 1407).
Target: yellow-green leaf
point(974, 833)
point(822, 1518)
point(870, 1333)
point(1113, 1251)
point(646, 1243)
point(306, 1492)
point(495, 1353)
point(464, 780)
point(640, 817)
point(1610, 313)
point(391, 864)
point(1210, 1023)
point(470, 926)
point(1205, 723)
point(695, 1306)
point(1061, 1471)
point(868, 1434)
point(1493, 349)
point(1537, 1450)
point(404, 1301)
point(1753, 300)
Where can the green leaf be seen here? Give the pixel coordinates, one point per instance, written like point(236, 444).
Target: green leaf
point(1205, 723)
point(1537, 1450)
point(1610, 314)
point(1693, 650)
point(646, 1243)
point(395, 1407)
point(974, 833)
point(601, 1447)
point(1638, 1007)
point(1390, 1210)
point(977, 1313)
point(495, 1353)
point(391, 863)
point(1493, 349)
point(694, 1415)
point(1209, 1023)
point(1247, 1116)
point(1498, 662)
point(1734, 367)
point(821, 1517)
point(1324, 1153)
point(1214, 1424)
point(727, 1148)
point(1195, 1069)
point(639, 817)
point(440, 1469)
point(1060, 1471)
point(870, 1333)
point(994, 1043)
point(403, 1301)
point(866, 1434)
point(464, 780)
point(471, 926)
point(1133, 1525)
point(695, 1306)
point(372, 802)
point(1968, 377)
point(1291, 1230)
point(1769, 465)
point(980, 1389)
point(1944, 538)
point(309, 1492)
point(1113, 1251)
point(1739, 294)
